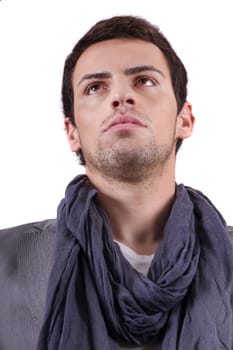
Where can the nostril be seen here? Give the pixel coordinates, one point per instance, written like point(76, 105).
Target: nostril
point(130, 101)
point(116, 103)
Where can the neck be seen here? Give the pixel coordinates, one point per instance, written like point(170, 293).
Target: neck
point(137, 212)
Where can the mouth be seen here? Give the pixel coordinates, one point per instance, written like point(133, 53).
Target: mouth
point(124, 122)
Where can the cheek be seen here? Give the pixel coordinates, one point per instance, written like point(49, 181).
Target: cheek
point(88, 126)
point(163, 118)
point(90, 108)
point(84, 115)
point(162, 100)
point(90, 113)
point(162, 113)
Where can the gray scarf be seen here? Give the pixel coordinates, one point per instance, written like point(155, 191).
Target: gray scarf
point(96, 299)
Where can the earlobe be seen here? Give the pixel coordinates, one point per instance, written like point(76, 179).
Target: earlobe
point(72, 135)
point(185, 122)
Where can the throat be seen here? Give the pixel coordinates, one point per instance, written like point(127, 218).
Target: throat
point(143, 244)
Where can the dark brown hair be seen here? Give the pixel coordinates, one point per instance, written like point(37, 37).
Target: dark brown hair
point(124, 27)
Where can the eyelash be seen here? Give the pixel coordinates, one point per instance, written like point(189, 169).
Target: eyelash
point(140, 78)
point(136, 81)
point(91, 85)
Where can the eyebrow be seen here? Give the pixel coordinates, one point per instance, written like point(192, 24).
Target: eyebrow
point(140, 69)
point(127, 71)
point(101, 75)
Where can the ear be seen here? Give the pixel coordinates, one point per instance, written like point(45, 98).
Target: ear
point(185, 121)
point(72, 135)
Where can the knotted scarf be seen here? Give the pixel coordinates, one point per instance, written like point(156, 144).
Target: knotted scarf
point(96, 299)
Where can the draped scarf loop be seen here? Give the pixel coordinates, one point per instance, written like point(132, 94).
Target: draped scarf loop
point(96, 299)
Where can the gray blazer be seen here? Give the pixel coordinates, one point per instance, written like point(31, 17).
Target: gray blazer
point(25, 261)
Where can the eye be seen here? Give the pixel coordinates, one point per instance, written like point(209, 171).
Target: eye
point(146, 81)
point(94, 87)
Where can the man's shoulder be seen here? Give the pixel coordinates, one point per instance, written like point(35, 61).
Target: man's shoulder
point(48, 225)
point(11, 237)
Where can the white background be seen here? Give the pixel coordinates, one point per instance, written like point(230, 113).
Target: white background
point(35, 38)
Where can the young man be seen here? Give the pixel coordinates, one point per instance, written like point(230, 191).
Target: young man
point(140, 262)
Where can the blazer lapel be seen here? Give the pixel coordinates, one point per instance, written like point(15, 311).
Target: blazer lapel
point(35, 250)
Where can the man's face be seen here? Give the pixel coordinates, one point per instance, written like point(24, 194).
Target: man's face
point(125, 108)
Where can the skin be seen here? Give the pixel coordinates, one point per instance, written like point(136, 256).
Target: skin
point(131, 165)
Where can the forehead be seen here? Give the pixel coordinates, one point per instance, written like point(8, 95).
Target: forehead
point(119, 54)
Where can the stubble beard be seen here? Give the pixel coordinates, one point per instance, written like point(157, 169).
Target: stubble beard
point(133, 164)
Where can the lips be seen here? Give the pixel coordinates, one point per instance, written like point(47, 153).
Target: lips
point(124, 120)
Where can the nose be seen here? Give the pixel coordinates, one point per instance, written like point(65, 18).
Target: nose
point(123, 96)
point(123, 102)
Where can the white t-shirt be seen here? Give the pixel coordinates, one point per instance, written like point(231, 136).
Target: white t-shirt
point(141, 263)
